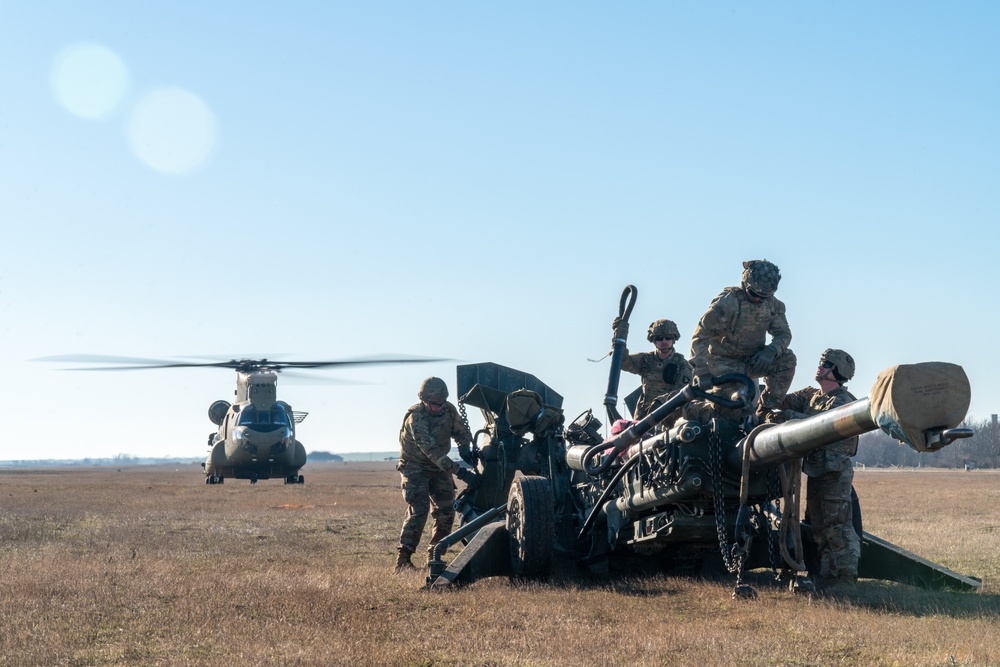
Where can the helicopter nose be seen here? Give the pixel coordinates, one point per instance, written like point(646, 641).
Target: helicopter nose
point(264, 439)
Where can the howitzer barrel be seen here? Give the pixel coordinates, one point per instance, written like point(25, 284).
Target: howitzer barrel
point(919, 404)
point(795, 439)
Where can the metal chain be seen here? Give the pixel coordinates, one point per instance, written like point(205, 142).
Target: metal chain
point(465, 417)
point(731, 556)
point(772, 535)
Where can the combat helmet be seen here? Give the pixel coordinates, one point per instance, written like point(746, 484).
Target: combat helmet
point(760, 278)
point(433, 390)
point(665, 328)
point(843, 363)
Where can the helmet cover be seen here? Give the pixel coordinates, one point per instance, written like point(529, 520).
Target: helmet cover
point(843, 363)
point(433, 390)
point(664, 328)
point(761, 277)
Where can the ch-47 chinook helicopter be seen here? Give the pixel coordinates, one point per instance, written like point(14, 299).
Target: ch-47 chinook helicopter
point(256, 432)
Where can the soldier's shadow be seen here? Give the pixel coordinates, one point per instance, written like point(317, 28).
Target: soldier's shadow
point(887, 597)
point(893, 598)
point(637, 578)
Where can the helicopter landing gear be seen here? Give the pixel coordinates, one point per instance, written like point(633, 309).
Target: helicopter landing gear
point(214, 479)
point(253, 478)
point(292, 479)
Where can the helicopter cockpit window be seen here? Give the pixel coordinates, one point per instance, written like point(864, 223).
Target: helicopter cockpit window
point(279, 416)
point(248, 415)
point(276, 415)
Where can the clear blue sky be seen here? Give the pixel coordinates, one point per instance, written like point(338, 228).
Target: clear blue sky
point(476, 181)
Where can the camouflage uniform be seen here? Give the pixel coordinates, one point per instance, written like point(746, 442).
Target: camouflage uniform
point(426, 470)
point(659, 376)
point(733, 330)
point(830, 474)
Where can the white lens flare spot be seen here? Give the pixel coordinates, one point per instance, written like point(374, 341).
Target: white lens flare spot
point(173, 131)
point(89, 80)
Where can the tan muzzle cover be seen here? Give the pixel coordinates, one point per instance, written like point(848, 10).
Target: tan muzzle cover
point(909, 399)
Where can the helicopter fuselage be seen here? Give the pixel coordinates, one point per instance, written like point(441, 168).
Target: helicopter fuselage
point(256, 435)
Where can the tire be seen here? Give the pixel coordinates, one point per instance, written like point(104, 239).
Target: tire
point(531, 526)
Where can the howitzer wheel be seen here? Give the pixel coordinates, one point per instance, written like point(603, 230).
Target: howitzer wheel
point(531, 525)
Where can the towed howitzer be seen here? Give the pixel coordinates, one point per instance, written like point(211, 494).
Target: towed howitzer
point(706, 487)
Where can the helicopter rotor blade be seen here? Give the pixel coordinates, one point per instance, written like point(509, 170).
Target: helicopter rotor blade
point(126, 363)
point(297, 378)
point(100, 359)
point(139, 363)
point(362, 361)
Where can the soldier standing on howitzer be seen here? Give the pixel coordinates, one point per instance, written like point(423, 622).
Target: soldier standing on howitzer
point(426, 468)
point(731, 336)
point(663, 371)
point(829, 475)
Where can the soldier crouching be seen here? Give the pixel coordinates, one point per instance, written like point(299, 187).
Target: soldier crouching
point(731, 336)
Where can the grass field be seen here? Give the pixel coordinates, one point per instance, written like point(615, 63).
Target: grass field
point(150, 566)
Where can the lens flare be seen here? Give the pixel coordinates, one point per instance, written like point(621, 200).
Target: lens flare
point(172, 130)
point(89, 80)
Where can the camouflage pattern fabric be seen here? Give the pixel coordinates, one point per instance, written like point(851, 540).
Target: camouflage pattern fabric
point(655, 373)
point(829, 477)
point(425, 438)
point(433, 389)
point(733, 330)
point(832, 517)
point(426, 470)
point(423, 490)
point(667, 328)
point(761, 276)
point(835, 457)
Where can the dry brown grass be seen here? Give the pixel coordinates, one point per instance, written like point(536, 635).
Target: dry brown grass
point(149, 566)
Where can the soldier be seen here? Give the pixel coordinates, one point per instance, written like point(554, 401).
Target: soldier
point(662, 371)
point(829, 474)
point(731, 336)
point(426, 468)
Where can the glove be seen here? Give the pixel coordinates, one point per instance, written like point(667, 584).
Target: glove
point(703, 381)
point(760, 362)
point(469, 476)
point(620, 328)
point(465, 451)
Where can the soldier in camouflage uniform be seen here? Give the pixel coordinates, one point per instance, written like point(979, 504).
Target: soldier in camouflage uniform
point(663, 371)
point(731, 336)
point(426, 468)
point(829, 474)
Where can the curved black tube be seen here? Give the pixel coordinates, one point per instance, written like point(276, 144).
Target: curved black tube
point(618, 346)
point(607, 492)
point(634, 433)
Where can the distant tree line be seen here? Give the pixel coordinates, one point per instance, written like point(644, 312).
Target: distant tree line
point(980, 451)
point(323, 456)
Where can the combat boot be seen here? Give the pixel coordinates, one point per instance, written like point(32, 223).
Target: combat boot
point(844, 585)
point(403, 561)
